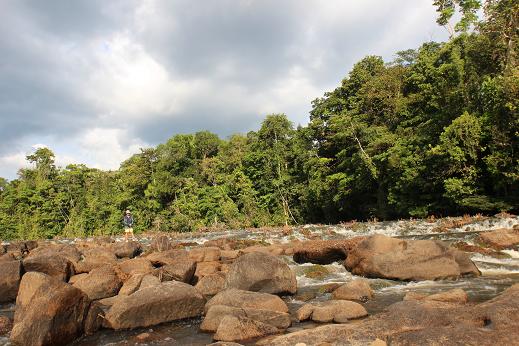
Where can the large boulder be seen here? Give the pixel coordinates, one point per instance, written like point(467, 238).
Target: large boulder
point(354, 290)
point(48, 311)
point(427, 322)
point(127, 249)
point(380, 256)
point(153, 305)
point(500, 238)
point(261, 272)
point(183, 269)
point(102, 282)
point(247, 299)
point(136, 265)
point(234, 328)
point(51, 264)
point(68, 251)
point(95, 257)
point(338, 311)
point(205, 254)
point(161, 243)
point(10, 276)
point(324, 251)
point(216, 313)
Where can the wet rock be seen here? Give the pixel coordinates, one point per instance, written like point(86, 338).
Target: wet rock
point(355, 290)
point(51, 264)
point(501, 238)
point(384, 257)
point(127, 249)
point(153, 305)
point(334, 310)
point(324, 251)
point(136, 266)
point(94, 258)
point(5, 325)
point(48, 311)
point(161, 243)
point(261, 272)
point(423, 323)
point(205, 254)
point(102, 282)
point(216, 313)
point(233, 328)
point(10, 276)
point(247, 299)
point(211, 284)
point(456, 296)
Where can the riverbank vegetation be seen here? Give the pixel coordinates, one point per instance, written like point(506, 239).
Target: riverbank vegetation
point(432, 132)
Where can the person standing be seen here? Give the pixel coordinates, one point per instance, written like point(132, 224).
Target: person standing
point(128, 225)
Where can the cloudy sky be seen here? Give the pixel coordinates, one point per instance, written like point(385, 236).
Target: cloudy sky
point(96, 80)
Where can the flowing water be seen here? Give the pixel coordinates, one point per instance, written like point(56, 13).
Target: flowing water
point(497, 273)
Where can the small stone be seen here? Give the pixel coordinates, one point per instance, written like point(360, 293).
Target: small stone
point(143, 336)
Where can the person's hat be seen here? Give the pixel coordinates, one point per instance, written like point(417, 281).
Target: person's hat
point(128, 212)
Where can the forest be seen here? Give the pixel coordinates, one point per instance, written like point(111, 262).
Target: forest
point(432, 132)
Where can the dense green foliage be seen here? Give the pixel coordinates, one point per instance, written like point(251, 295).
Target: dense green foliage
point(433, 132)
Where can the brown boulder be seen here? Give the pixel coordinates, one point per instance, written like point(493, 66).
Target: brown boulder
point(51, 264)
point(135, 266)
point(94, 318)
point(324, 251)
point(94, 258)
point(333, 310)
point(132, 284)
point(102, 282)
point(74, 278)
point(68, 251)
point(216, 313)
point(501, 238)
point(206, 268)
point(233, 328)
point(183, 269)
point(10, 276)
point(205, 254)
point(355, 290)
point(126, 249)
point(211, 284)
point(456, 296)
point(153, 305)
point(149, 280)
point(48, 311)
point(163, 258)
point(261, 272)
point(247, 299)
point(384, 257)
point(160, 243)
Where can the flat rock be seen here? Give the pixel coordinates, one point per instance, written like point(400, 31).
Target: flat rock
point(247, 299)
point(261, 272)
point(456, 296)
point(153, 305)
point(501, 238)
point(215, 314)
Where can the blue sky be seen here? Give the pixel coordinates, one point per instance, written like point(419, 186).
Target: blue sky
point(96, 80)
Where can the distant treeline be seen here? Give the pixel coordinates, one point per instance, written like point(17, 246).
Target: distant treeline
point(435, 131)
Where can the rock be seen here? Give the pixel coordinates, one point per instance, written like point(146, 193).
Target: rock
point(205, 254)
point(229, 254)
point(355, 290)
point(77, 277)
point(384, 257)
point(324, 251)
point(456, 296)
point(211, 284)
point(102, 282)
point(412, 322)
point(10, 276)
point(143, 336)
point(261, 272)
point(501, 238)
point(131, 285)
point(224, 343)
point(153, 305)
point(5, 325)
point(70, 252)
point(108, 302)
point(94, 318)
point(54, 265)
point(336, 310)
point(149, 280)
point(48, 311)
point(182, 269)
point(232, 328)
point(128, 249)
point(136, 266)
point(305, 312)
point(215, 314)
point(246, 299)
point(160, 259)
point(161, 243)
point(206, 268)
point(94, 258)
point(378, 342)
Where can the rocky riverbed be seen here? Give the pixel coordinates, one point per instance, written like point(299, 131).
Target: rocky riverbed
point(445, 281)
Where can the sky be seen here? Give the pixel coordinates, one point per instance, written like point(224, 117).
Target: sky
point(97, 80)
